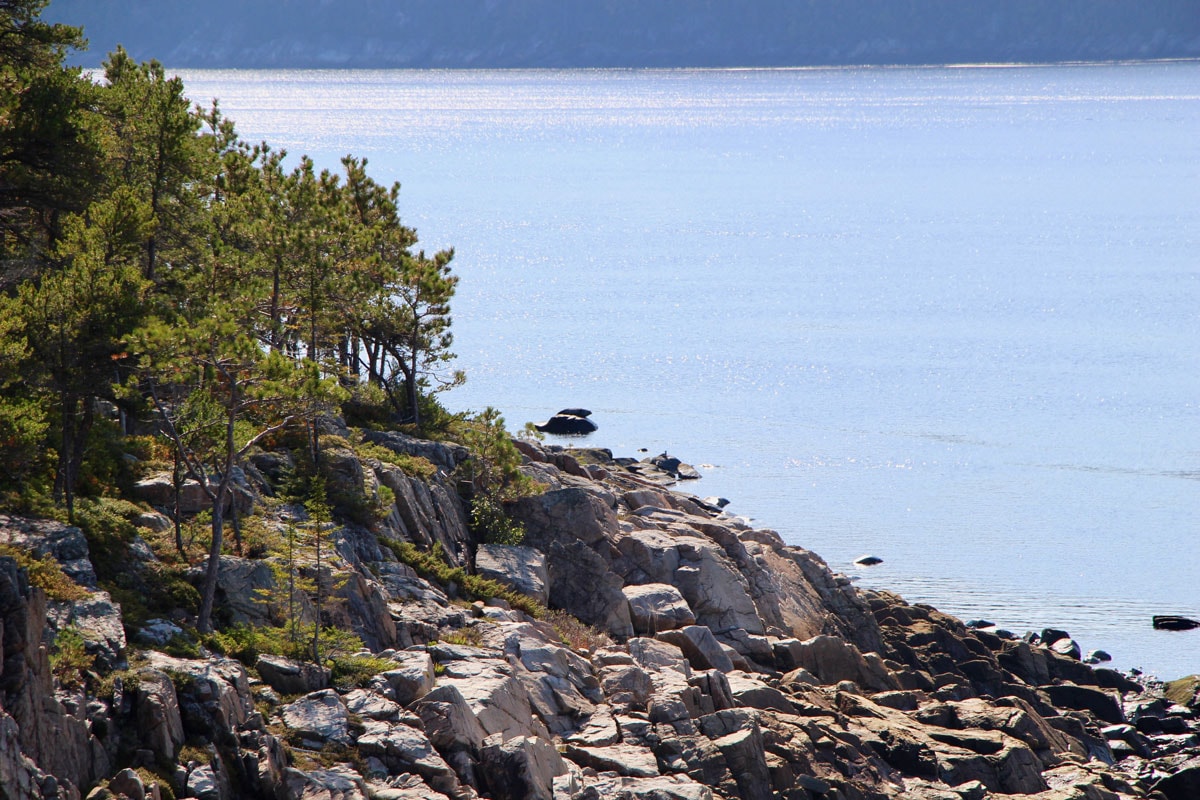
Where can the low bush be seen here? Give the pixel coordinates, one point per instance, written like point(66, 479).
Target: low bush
point(350, 672)
point(46, 574)
point(69, 658)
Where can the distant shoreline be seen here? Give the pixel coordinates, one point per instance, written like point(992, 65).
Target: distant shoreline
point(822, 68)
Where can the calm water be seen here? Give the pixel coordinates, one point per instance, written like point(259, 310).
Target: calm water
point(948, 317)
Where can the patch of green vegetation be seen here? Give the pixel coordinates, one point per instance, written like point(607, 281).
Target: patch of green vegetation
point(247, 642)
point(489, 521)
point(353, 671)
point(413, 466)
point(106, 687)
point(46, 574)
point(69, 659)
point(162, 778)
point(431, 566)
point(470, 636)
point(106, 524)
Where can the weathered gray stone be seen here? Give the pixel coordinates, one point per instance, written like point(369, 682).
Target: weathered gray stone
point(656, 607)
point(292, 677)
point(371, 705)
point(832, 659)
point(497, 698)
point(700, 647)
point(335, 783)
point(319, 717)
point(623, 759)
point(521, 768)
point(409, 680)
point(159, 724)
point(405, 749)
point(523, 568)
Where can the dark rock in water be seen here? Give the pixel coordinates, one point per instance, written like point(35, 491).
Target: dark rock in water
point(1167, 622)
point(1067, 647)
point(1052, 635)
point(574, 412)
point(1098, 656)
point(868, 561)
point(568, 425)
point(674, 467)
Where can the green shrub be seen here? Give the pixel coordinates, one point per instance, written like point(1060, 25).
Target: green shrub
point(414, 466)
point(46, 574)
point(470, 637)
point(106, 524)
point(431, 566)
point(350, 672)
point(69, 658)
point(246, 642)
point(491, 523)
point(28, 474)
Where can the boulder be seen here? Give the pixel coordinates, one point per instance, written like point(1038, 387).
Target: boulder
point(449, 721)
point(318, 718)
point(288, 676)
point(410, 680)
point(1169, 622)
point(443, 455)
point(1100, 703)
point(655, 607)
point(335, 783)
point(371, 705)
point(623, 759)
point(128, 783)
point(567, 425)
point(156, 710)
point(673, 467)
point(523, 568)
point(832, 659)
point(404, 749)
point(521, 768)
point(497, 699)
point(701, 648)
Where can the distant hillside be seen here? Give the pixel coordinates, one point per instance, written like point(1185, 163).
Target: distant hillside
point(631, 33)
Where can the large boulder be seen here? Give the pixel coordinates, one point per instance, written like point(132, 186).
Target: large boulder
point(214, 694)
point(562, 424)
point(832, 660)
point(318, 718)
point(523, 568)
point(521, 768)
point(405, 749)
point(288, 676)
point(498, 700)
point(156, 709)
point(655, 607)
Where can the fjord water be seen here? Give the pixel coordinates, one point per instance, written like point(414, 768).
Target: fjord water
point(946, 316)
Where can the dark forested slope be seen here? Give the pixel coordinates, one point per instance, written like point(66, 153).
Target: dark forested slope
point(627, 33)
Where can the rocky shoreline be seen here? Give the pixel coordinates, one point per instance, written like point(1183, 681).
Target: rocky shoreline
point(720, 663)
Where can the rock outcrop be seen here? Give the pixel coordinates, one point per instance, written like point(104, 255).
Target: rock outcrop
point(722, 663)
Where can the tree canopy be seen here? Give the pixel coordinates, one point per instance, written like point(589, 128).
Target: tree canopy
point(156, 268)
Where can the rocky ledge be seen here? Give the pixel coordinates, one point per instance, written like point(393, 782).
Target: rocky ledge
point(721, 663)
